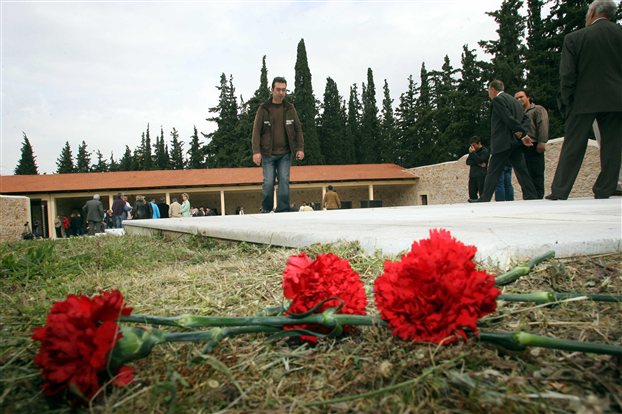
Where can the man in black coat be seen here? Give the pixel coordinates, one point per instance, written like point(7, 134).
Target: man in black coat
point(507, 137)
point(590, 74)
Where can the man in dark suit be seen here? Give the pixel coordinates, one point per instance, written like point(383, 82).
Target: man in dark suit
point(507, 137)
point(591, 88)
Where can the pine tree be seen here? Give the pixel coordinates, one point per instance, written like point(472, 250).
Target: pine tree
point(83, 159)
point(101, 165)
point(353, 126)
point(223, 146)
point(113, 166)
point(195, 154)
point(406, 120)
point(370, 126)
point(127, 161)
point(64, 163)
point(389, 152)
point(177, 161)
point(305, 106)
point(508, 51)
point(332, 126)
point(147, 157)
point(161, 152)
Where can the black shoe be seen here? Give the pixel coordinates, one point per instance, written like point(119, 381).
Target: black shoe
point(476, 200)
point(552, 197)
point(600, 197)
point(617, 193)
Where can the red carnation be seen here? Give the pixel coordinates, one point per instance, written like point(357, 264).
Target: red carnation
point(435, 291)
point(76, 342)
point(307, 282)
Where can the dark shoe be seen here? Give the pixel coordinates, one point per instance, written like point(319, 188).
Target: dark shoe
point(600, 197)
point(617, 193)
point(473, 200)
point(552, 197)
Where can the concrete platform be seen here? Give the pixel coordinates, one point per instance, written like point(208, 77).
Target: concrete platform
point(503, 232)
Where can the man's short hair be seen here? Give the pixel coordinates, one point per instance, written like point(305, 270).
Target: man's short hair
point(497, 85)
point(278, 79)
point(174, 199)
point(475, 140)
point(96, 197)
point(330, 187)
point(605, 7)
point(526, 92)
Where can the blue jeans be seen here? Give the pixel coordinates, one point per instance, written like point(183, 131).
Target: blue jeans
point(505, 190)
point(276, 166)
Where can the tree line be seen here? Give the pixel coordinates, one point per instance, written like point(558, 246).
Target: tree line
point(431, 122)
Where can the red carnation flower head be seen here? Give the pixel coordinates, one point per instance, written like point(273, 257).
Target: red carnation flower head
point(76, 341)
point(435, 291)
point(307, 282)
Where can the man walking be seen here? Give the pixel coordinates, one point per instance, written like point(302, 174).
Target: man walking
point(478, 163)
point(507, 137)
point(331, 199)
point(94, 212)
point(538, 131)
point(590, 73)
point(277, 134)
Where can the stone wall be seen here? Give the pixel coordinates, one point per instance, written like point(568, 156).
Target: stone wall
point(447, 183)
point(14, 212)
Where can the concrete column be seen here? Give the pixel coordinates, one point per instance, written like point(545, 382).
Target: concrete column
point(322, 198)
point(222, 202)
point(167, 195)
point(371, 191)
point(51, 217)
point(274, 201)
point(110, 201)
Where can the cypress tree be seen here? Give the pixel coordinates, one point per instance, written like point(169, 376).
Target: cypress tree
point(244, 128)
point(370, 146)
point(147, 158)
point(424, 125)
point(127, 161)
point(447, 142)
point(332, 126)
point(27, 164)
point(177, 161)
point(353, 126)
point(507, 51)
point(223, 146)
point(406, 125)
point(305, 106)
point(101, 165)
point(113, 166)
point(471, 101)
point(195, 154)
point(389, 152)
point(83, 159)
point(64, 163)
point(161, 152)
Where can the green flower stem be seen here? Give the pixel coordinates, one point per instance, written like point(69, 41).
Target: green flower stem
point(518, 271)
point(216, 333)
point(546, 297)
point(196, 321)
point(519, 341)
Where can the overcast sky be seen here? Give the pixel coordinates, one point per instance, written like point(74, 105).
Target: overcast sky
point(99, 71)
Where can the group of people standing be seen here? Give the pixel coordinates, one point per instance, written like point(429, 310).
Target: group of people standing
point(590, 97)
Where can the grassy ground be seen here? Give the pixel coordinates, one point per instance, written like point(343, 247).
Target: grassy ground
point(249, 374)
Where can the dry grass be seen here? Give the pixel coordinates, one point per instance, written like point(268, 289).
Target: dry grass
point(368, 372)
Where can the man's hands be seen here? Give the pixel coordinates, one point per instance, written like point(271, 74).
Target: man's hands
point(300, 155)
point(257, 159)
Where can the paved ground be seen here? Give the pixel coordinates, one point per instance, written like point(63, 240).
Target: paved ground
point(502, 232)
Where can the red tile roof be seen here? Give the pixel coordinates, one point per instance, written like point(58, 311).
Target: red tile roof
point(126, 180)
